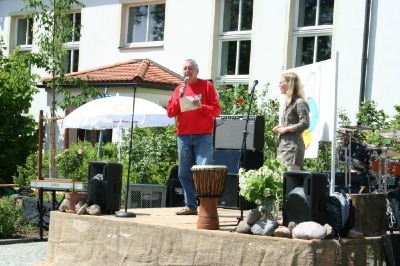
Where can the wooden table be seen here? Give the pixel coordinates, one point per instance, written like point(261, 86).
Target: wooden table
point(54, 185)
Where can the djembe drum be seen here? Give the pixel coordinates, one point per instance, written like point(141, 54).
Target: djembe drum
point(209, 181)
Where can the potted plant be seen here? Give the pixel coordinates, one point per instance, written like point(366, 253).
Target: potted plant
point(70, 165)
point(264, 186)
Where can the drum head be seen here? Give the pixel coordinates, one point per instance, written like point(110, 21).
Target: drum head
point(209, 168)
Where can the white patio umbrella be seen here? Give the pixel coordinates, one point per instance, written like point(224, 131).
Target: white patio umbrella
point(116, 112)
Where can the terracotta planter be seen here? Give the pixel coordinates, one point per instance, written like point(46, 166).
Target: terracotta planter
point(74, 198)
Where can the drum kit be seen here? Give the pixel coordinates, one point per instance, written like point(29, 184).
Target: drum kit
point(378, 161)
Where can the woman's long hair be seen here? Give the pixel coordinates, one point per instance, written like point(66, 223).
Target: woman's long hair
point(295, 88)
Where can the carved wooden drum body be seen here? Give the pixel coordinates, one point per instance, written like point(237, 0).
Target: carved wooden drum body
point(209, 182)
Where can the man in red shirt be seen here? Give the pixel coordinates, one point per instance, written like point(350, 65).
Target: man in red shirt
point(195, 104)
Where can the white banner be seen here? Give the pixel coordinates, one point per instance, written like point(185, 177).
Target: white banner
point(319, 86)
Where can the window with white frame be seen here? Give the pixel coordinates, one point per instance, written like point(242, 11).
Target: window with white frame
point(145, 23)
point(24, 34)
point(313, 31)
point(235, 38)
point(71, 61)
point(75, 20)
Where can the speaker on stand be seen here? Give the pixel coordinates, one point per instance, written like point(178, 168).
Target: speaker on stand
point(105, 191)
point(230, 197)
point(229, 129)
point(305, 196)
point(242, 133)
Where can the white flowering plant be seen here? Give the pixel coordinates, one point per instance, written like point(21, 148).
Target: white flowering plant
point(264, 185)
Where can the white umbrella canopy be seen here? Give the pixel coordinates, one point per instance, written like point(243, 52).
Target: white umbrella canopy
point(116, 112)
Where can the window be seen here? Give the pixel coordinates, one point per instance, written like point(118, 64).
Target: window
point(235, 39)
point(313, 31)
point(71, 61)
point(24, 32)
point(75, 21)
point(146, 23)
point(93, 135)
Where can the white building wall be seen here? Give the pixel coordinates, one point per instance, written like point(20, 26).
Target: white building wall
point(384, 55)
point(190, 33)
point(268, 44)
point(187, 35)
point(348, 42)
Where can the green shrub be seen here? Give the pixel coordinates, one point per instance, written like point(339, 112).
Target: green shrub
point(10, 216)
point(154, 153)
point(27, 172)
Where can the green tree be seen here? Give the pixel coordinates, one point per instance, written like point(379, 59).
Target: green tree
point(18, 132)
point(56, 28)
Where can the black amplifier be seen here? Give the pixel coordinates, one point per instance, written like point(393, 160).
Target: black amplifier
point(228, 132)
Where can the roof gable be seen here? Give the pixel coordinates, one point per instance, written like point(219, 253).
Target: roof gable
point(143, 72)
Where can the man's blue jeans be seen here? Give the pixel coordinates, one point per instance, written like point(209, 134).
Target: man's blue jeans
point(192, 150)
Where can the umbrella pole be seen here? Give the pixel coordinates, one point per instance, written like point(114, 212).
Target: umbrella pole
point(126, 213)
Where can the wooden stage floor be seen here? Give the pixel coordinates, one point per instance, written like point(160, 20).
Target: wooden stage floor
point(157, 236)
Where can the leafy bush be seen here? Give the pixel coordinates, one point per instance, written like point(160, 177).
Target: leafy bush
point(27, 172)
point(265, 182)
point(154, 153)
point(10, 216)
point(72, 163)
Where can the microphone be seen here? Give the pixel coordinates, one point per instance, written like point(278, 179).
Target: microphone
point(255, 82)
point(185, 81)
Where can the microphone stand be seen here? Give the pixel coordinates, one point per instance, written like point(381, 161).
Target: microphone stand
point(126, 214)
point(244, 145)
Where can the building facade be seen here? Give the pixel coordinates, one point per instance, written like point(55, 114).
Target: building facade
point(234, 41)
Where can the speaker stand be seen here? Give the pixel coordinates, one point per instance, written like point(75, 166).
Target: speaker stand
point(243, 148)
point(126, 214)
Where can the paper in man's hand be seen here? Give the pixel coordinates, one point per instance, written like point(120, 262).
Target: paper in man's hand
point(186, 103)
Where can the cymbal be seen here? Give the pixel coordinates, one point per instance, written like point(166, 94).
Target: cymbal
point(389, 152)
point(358, 127)
point(391, 134)
point(343, 131)
point(374, 147)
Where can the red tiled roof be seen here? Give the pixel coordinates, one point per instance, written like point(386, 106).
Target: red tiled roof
point(140, 71)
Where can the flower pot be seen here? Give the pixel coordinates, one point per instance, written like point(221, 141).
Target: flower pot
point(73, 198)
point(269, 209)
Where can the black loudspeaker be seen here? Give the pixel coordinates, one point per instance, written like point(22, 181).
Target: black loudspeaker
point(175, 197)
point(305, 196)
point(230, 197)
point(228, 132)
point(231, 158)
point(110, 200)
point(390, 244)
